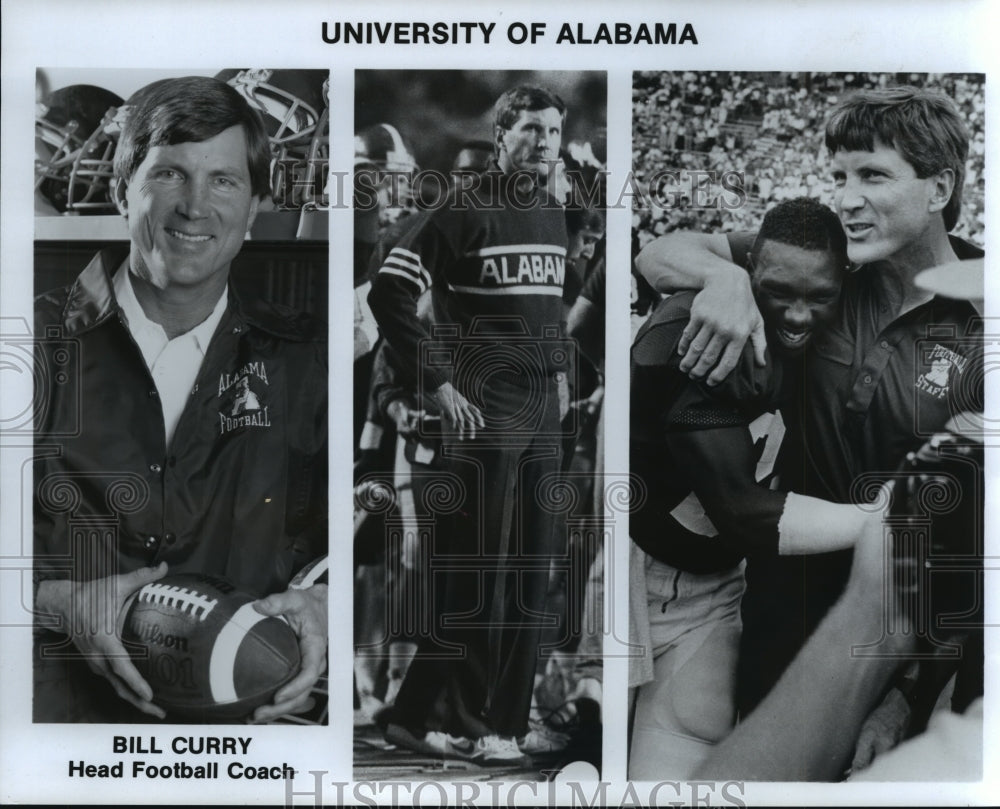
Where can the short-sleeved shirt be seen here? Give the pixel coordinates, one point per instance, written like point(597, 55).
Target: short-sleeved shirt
point(878, 386)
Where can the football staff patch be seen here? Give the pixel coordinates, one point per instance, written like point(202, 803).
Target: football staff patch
point(937, 380)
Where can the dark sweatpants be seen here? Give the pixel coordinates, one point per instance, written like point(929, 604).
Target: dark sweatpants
point(498, 531)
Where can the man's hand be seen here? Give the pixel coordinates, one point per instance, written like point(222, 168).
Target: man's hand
point(589, 408)
point(562, 395)
point(306, 611)
point(723, 315)
point(882, 730)
point(90, 612)
point(405, 418)
point(459, 413)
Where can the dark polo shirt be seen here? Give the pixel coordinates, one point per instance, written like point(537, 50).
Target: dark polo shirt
point(877, 387)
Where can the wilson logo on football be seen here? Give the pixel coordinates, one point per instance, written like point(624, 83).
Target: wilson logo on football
point(151, 633)
point(179, 598)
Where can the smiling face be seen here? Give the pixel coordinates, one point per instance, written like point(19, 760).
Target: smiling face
point(189, 206)
point(531, 142)
point(887, 211)
point(797, 292)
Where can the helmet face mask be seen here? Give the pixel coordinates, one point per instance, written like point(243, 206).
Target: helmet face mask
point(75, 139)
point(55, 147)
point(93, 168)
point(294, 107)
point(289, 118)
point(292, 104)
point(316, 158)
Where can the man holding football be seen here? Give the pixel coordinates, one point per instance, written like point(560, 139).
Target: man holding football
point(192, 435)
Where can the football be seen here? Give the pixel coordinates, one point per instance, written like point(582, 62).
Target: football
point(205, 651)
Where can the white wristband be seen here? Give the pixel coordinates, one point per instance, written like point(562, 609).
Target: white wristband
point(811, 525)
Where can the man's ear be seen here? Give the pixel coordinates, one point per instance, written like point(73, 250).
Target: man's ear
point(498, 134)
point(942, 189)
point(118, 188)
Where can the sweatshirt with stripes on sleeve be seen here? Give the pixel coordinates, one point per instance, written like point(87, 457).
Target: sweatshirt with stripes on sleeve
point(494, 260)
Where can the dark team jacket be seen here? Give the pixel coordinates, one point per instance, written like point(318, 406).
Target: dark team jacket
point(701, 453)
point(240, 491)
point(494, 258)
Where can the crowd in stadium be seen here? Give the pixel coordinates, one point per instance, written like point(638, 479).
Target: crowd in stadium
point(768, 126)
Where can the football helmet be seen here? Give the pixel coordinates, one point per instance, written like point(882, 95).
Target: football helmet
point(294, 105)
point(75, 138)
point(381, 151)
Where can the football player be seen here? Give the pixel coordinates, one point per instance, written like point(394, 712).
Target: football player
point(898, 157)
point(706, 456)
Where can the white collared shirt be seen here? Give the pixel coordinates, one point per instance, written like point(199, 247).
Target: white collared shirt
point(174, 364)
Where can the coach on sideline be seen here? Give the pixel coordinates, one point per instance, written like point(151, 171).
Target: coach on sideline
point(190, 435)
point(495, 267)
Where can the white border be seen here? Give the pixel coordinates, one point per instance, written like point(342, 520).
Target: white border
point(774, 35)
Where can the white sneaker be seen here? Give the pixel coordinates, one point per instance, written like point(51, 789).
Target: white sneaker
point(448, 746)
point(370, 705)
point(541, 739)
point(496, 750)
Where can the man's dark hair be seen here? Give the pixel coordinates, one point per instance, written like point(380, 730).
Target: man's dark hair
point(525, 97)
point(580, 219)
point(922, 125)
point(585, 207)
point(803, 222)
point(191, 110)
